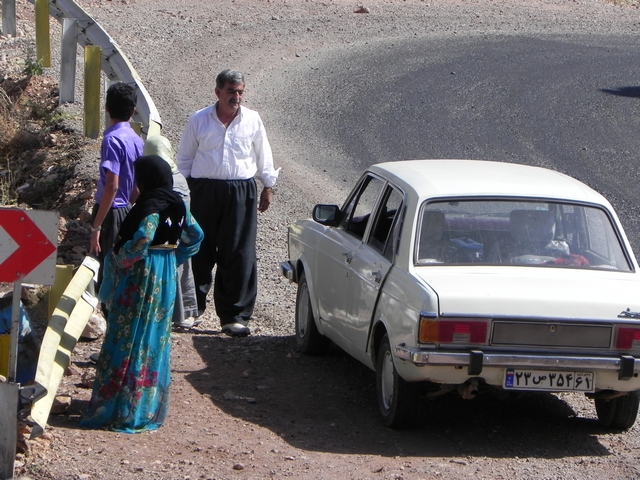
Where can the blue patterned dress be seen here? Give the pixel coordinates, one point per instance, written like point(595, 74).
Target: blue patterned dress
point(131, 389)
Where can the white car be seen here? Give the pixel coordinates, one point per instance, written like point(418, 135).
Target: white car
point(469, 276)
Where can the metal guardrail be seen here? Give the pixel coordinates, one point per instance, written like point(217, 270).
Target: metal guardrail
point(114, 62)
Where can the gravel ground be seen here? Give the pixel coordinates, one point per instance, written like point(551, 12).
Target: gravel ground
point(254, 408)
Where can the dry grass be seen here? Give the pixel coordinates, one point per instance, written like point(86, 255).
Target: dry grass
point(8, 130)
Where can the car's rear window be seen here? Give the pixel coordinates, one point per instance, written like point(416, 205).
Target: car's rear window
point(518, 232)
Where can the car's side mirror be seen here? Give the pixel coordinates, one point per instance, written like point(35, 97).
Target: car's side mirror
point(326, 214)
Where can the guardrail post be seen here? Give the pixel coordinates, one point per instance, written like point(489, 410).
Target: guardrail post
point(9, 17)
point(92, 108)
point(116, 65)
point(43, 45)
point(68, 60)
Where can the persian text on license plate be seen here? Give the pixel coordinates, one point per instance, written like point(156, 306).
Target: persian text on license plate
point(519, 379)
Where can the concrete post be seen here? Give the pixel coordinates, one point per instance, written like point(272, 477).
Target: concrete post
point(9, 17)
point(68, 60)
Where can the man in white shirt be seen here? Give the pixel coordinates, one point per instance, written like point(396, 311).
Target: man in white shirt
point(223, 147)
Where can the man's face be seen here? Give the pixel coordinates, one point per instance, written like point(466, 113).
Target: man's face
point(230, 97)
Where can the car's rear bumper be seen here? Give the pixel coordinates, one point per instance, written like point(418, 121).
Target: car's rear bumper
point(626, 366)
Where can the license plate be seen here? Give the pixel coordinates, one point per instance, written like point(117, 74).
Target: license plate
point(518, 379)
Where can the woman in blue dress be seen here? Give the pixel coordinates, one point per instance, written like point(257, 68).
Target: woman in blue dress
point(131, 389)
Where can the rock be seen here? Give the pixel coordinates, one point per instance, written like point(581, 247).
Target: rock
point(238, 466)
point(61, 404)
point(86, 195)
point(84, 216)
point(72, 370)
point(96, 327)
point(88, 377)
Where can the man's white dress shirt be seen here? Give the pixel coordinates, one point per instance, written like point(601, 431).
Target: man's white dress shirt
point(238, 152)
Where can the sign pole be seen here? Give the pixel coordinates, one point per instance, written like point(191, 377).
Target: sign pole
point(27, 244)
point(10, 391)
point(15, 331)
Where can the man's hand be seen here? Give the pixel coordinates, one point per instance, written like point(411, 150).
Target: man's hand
point(266, 197)
point(95, 243)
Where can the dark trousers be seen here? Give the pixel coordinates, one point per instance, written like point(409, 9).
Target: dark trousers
point(227, 213)
point(108, 233)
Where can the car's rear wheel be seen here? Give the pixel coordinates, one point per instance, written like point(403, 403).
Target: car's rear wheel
point(618, 413)
point(308, 339)
point(399, 400)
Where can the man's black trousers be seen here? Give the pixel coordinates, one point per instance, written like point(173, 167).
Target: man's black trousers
point(227, 213)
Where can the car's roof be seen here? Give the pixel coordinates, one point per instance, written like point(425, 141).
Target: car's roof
point(446, 178)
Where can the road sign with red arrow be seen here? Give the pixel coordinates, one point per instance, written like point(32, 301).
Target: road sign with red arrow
point(28, 243)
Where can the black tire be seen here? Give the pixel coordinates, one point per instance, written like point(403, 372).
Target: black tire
point(398, 400)
point(308, 339)
point(618, 413)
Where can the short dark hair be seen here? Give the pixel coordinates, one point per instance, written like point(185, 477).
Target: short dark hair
point(121, 101)
point(229, 76)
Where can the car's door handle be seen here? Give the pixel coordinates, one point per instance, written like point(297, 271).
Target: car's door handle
point(377, 275)
point(348, 256)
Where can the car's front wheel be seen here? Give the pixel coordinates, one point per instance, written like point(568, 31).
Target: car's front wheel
point(308, 339)
point(618, 413)
point(399, 400)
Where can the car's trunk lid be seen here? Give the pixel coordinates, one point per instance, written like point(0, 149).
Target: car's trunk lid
point(532, 292)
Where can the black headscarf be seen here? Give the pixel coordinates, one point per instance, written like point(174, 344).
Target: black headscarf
point(155, 182)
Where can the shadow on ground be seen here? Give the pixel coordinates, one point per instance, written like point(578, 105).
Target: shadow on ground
point(328, 404)
point(633, 92)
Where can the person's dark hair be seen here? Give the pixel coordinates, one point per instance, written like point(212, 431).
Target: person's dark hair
point(229, 76)
point(121, 101)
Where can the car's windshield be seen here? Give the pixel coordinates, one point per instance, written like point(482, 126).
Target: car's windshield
point(518, 232)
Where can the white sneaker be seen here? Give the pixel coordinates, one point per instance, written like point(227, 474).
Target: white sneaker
point(186, 323)
point(236, 330)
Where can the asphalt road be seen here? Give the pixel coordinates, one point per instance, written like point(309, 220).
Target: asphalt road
point(570, 103)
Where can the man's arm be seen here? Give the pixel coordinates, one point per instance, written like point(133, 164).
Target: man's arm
point(266, 171)
point(106, 202)
point(266, 197)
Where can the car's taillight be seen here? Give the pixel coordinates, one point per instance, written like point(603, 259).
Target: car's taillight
point(628, 338)
point(456, 331)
